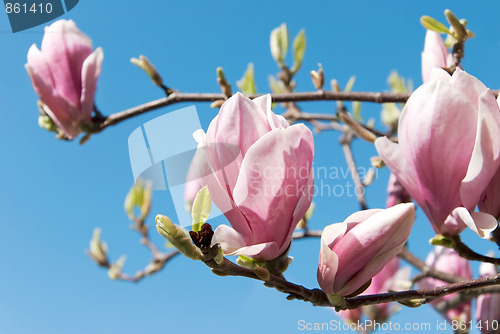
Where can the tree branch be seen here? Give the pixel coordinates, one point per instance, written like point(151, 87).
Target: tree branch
point(177, 97)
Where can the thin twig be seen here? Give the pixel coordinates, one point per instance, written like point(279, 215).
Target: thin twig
point(464, 251)
point(426, 270)
point(359, 188)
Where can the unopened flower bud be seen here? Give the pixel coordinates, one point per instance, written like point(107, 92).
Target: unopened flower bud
point(224, 85)
point(177, 237)
point(377, 162)
point(139, 196)
point(147, 67)
point(115, 270)
point(318, 78)
point(98, 249)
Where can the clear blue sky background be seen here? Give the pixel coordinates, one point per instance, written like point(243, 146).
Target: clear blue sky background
point(54, 193)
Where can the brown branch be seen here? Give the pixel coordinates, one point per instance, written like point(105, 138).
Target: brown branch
point(464, 296)
point(282, 97)
point(319, 298)
point(424, 295)
point(405, 254)
point(464, 251)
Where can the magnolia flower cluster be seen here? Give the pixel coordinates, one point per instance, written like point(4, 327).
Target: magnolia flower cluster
point(258, 170)
point(64, 74)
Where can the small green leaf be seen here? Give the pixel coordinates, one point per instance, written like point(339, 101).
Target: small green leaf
point(396, 82)
point(356, 111)
point(350, 84)
point(247, 82)
point(202, 206)
point(279, 43)
point(299, 48)
point(390, 114)
point(434, 25)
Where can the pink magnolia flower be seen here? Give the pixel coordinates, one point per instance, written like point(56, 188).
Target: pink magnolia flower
point(448, 261)
point(448, 151)
point(262, 178)
point(356, 250)
point(64, 74)
point(488, 305)
point(435, 55)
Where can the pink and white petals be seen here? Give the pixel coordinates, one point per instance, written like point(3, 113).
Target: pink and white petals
point(64, 74)
point(356, 250)
point(435, 55)
point(447, 152)
point(267, 186)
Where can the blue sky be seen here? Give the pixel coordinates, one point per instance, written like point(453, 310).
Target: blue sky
point(54, 193)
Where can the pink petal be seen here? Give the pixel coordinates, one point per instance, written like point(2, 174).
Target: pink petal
point(431, 132)
point(485, 156)
point(368, 246)
point(328, 260)
point(233, 243)
point(483, 224)
point(90, 73)
point(58, 108)
point(229, 239)
point(275, 121)
point(37, 61)
point(393, 157)
point(67, 48)
point(272, 180)
point(434, 55)
point(471, 86)
point(240, 122)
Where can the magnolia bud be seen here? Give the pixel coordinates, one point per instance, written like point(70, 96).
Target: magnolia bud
point(224, 85)
point(139, 196)
point(150, 70)
point(98, 249)
point(115, 270)
point(177, 237)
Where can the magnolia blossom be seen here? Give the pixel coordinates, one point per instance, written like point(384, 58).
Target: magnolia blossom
point(64, 74)
point(356, 250)
point(448, 261)
point(448, 150)
point(488, 305)
point(435, 55)
point(260, 176)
